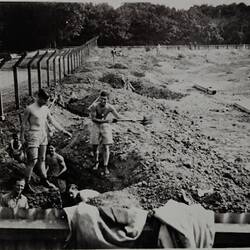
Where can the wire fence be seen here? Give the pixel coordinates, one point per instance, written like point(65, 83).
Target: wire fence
point(32, 71)
point(191, 46)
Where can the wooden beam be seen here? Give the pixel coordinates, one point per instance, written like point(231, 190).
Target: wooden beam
point(243, 106)
point(204, 89)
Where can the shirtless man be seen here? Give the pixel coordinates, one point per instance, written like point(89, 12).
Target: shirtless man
point(101, 131)
point(56, 167)
point(16, 149)
point(34, 128)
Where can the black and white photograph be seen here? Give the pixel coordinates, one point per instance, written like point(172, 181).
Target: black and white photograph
point(124, 124)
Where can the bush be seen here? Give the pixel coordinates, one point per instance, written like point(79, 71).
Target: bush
point(138, 74)
point(113, 79)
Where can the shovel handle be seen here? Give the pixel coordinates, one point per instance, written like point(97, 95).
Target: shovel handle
point(128, 120)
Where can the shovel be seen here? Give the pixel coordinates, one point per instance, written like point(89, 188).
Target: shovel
point(145, 121)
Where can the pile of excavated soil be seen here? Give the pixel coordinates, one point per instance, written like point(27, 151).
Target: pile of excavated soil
point(154, 163)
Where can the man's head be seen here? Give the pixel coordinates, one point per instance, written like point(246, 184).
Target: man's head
point(73, 190)
point(18, 185)
point(51, 149)
point(104, 96)
point(43, 97)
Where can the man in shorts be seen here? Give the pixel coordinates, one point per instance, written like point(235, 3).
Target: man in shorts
point(34, 128)
point(56, 168)
point(101, 131)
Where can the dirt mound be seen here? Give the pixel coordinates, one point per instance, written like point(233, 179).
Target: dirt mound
point(155, 92)
point(119, 66)
point(115, 80)
point(116, 198)
point(80, 107)
point(138, 73)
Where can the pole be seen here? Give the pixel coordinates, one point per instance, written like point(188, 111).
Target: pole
point(2, 117)
point(15, 71)
point(39, 70)
point(29, 72)
point(47, 63)
point(54, 68)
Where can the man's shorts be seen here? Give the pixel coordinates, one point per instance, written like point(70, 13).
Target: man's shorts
point(101, 134)
point(35, 139)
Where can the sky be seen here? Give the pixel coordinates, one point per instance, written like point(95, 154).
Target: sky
point(178, 4)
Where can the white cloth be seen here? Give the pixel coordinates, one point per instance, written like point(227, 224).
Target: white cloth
point(89, 230)
point(194, 223)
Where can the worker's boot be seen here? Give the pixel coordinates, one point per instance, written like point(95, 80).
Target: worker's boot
point(46, 183)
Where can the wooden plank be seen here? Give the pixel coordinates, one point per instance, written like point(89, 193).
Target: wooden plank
point(243, 106)
point(232, 228)
point(204, 89)
point(34, 225)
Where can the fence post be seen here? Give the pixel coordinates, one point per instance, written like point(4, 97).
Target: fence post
point(71, 61)
point(74, 57)
point(29, 72)
point(47, 63)
point(39, 70)
point(14, 68)
point(64, 67)
point(59, 68)
point(54, 67)
point(79, 57)
point(68, 61)
point(2, 117)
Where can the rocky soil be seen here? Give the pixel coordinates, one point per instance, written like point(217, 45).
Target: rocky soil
point(197, 147)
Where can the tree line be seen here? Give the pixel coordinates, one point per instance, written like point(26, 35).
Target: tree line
point(30, 26)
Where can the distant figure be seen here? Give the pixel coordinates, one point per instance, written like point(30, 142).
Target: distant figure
point(16, 149)
point(56, 168)
point(34, 129)
point(113, 53)
point(81, 195)
point(15, 198)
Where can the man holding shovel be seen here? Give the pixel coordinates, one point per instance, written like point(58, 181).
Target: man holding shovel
point(101, 131)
